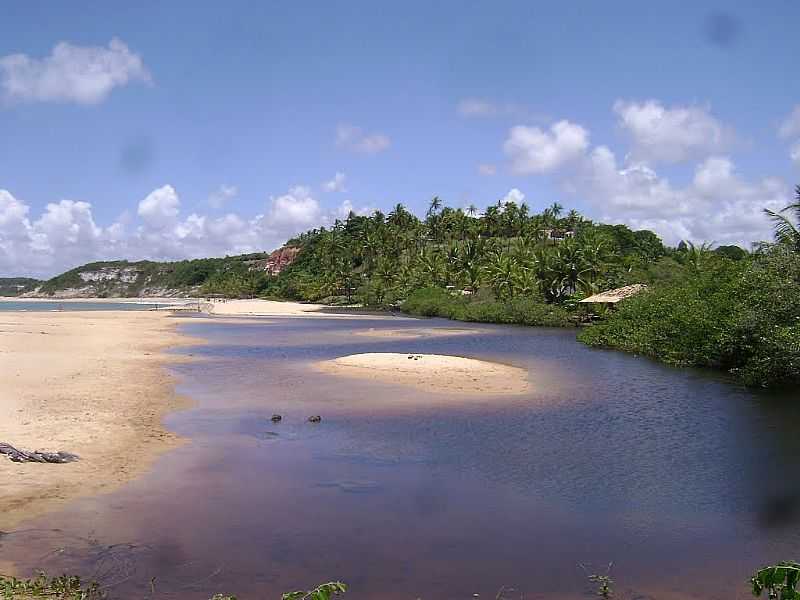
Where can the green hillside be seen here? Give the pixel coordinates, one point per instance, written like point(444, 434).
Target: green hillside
point(14, 286)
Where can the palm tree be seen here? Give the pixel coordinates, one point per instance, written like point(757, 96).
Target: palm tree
point(696, 256)
point(472, 210)
point(787, 232)
point(500, 271)
point(555, 209)
point(435, 205)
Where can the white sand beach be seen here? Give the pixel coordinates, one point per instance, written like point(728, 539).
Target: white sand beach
point(89, 383)
point(432, 372)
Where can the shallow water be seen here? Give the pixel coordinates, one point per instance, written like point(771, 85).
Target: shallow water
point(57, 305)
point(681, 478)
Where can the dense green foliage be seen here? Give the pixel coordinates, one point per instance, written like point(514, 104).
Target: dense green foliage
point(436, 302)
point(742, 316)
point(14, 286)
point(381, 260)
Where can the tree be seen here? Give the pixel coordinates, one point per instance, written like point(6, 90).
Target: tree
point(435, 205)
point(786, 231)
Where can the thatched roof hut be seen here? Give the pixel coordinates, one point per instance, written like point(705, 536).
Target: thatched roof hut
point(614, 296)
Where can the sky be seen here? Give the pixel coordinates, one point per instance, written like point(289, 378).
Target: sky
point(169, 130)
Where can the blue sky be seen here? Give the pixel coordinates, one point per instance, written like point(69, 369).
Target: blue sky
point(170, 130)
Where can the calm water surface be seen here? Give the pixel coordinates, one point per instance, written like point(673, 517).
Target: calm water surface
point(681, 478)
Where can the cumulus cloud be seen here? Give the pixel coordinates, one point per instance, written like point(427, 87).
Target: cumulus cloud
point(717, 205)
point(357, 140)
point(160, 208)
point(222, 195)
point(337, 184)
point(347, 207)
point(676, 134)
point(790, 127)
point(515, 196)
point(487, 170)
point(81, 74)
point(295, 210)
point(533, 150)
point(65, 233)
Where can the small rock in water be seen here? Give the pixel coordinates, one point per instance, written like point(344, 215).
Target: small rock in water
point(314, 419)
point(276, 418)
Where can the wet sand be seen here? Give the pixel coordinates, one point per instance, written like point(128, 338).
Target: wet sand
point(415, 333)
point(432, 372)
point(90, 383)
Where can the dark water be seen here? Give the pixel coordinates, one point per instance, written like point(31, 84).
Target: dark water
point(681, 478)
point(48, 305)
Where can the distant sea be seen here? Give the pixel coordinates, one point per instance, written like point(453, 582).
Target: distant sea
point(59, 305)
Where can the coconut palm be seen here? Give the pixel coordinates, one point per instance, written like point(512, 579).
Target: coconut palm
point(500, 273)
point(435, 205)
point(786, 223)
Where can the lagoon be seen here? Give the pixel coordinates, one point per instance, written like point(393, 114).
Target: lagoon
point(681, 478)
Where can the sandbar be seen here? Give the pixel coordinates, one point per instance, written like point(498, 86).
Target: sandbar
point(432, 372)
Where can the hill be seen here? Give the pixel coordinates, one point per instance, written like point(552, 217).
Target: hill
point(16, 286)
point(236, 276)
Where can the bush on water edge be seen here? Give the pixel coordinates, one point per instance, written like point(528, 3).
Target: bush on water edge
point(437, 302)
point(741, 316)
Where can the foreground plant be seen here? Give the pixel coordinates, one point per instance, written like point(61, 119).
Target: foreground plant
point(779, 581)
point(64, 587)
point(70, 587)
point(321, 592)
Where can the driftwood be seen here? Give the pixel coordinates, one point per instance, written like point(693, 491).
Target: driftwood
point(22, 456)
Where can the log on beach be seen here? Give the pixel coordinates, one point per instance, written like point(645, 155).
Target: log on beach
point(24, 456)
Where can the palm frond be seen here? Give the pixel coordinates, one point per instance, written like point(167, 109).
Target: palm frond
point(786, 232)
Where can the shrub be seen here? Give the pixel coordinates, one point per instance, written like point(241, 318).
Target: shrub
point(742, 316)
point(437, 302)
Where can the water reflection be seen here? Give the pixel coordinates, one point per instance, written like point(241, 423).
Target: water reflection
point(679, 477)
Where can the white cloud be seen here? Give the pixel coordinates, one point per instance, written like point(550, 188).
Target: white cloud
point(487, 170)
point(295, 210)
point(515, 196)
point(337, 184)
point(65, 234)
point(794, 153)
point(346, 207)
point(222, 195)
point(82, 74)
point(160, 208)
point(671, 134)
point(475, 107)
point(790, 127)
point(717, 205)
point(479, 108)
point(355, 139)
point(533, 150)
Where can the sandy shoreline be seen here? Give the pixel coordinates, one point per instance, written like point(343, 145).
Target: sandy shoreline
point(432, 372)
point(91, 383)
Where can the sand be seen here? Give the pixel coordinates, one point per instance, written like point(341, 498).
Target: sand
point(268, 308)
point(432, 372)
point(91, 383)
point(415, 333)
